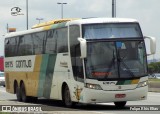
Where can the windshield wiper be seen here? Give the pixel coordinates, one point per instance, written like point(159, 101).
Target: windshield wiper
point(121, 60)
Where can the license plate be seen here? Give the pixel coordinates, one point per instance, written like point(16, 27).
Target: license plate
point(120, 95)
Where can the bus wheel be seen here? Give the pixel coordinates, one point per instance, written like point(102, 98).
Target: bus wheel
point(18, 94)
point(33, 99)
point(67, 97)
point(120, 104)
point(23, 93)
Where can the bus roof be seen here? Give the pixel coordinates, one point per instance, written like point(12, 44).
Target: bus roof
point(103, 20)
point(48, 23)
point(54, 24)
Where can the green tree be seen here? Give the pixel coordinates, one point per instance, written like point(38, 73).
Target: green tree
point(154, 67)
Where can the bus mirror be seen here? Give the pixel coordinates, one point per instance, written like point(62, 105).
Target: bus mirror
point(152, 44)
point(83, 47)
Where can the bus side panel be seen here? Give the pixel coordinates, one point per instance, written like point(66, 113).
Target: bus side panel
point(43, 68)
point(60, 75)
point(63, 74)
point(33, 78)
point(16, 72)
point(28, 78)
point(49, 75)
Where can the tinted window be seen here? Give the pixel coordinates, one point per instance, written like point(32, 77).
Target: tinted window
point(39, 42)
point(10, 47)
point(107, 30)
point(75, 53)
point(62, 40)
point(29, 49)
point(21, 46)
point(47, 42)
point(51, 43)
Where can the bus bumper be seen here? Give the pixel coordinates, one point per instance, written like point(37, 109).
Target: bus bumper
point(101, 96)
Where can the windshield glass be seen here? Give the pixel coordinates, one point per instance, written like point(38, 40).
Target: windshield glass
point(107, 30)
point(112, 60)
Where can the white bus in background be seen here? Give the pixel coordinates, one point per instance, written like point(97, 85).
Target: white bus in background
point(95, 60)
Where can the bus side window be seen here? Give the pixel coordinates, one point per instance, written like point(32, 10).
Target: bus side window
point(21, 46)
point(77, 66)
point(39, 42)
point(7, 47)
point(51, 42)
point(29, 49)
point(62, 40)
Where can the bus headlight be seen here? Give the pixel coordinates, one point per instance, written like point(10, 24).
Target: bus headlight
point(142, 84)
point(93, 86)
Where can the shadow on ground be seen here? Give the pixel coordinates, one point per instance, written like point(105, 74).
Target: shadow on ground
point(53, 105)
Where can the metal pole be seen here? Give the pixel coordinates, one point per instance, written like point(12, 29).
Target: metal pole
point(61, 8)
point(27, 12)
point(113, 8)
point(7, 28)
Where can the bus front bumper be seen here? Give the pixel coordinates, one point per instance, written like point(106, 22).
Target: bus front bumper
point(101, 96)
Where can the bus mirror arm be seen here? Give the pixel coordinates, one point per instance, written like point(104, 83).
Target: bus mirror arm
point(152, 44)
point(83, 47)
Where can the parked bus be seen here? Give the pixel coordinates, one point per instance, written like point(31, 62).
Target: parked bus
point(95, 60)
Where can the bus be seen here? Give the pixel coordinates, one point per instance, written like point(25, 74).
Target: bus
point(92, 60)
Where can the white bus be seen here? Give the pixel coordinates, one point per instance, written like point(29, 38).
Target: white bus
point(95, 60)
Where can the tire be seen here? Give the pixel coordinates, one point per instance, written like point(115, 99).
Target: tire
point(23, 93)
point(18, 94)
point(67, 98)
point(120, 104)
point(33, 99)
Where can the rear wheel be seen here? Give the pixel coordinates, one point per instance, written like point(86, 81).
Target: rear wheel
point(120, 104)
point(23, 93)
point(18, 93)
point(67, 98)
point(33, 99)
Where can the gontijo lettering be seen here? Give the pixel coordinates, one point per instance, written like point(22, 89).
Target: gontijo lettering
point(23, 64)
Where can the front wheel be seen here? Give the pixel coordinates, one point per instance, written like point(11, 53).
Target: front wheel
point(120, 104)
point(67, 98)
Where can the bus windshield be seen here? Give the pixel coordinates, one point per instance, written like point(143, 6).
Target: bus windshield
point(107, 30)
point(115, 60)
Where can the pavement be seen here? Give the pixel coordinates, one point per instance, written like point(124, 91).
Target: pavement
point(154, 86)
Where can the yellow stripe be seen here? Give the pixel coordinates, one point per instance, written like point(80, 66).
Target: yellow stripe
point(135, 81)
point(35, 75)
point(47, 28)
point(37, 64)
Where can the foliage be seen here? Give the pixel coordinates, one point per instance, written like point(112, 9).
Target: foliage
point(154, 68)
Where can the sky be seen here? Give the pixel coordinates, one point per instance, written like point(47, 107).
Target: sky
point(145, 11)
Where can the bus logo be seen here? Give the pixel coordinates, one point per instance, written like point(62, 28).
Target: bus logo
point(109, 83)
